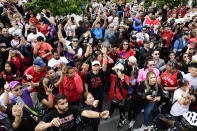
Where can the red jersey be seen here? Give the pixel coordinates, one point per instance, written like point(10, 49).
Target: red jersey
point(168, 80)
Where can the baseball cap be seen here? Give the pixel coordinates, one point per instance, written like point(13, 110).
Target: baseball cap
point(119, 66)
point(95, 63)
point(13, 84)
point(39, 62)
point(132, 59)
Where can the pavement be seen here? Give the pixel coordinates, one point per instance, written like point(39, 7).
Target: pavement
point(111, 123)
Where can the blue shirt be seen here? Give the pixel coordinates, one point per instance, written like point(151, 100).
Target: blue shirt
point(98, 32)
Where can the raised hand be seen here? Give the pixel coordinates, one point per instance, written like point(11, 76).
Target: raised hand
point(6, 87)
point(50, 88)
point(17, 111)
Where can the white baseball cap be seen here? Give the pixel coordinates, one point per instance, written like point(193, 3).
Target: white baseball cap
point(132, 59)
point(96, 63)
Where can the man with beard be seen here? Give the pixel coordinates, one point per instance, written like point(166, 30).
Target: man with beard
point(32, 37)
point(57, 61)
point(63, 118)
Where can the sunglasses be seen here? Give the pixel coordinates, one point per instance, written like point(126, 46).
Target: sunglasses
point(125, 44)
point(75, 40)
point(18, 89)
point(152, 65)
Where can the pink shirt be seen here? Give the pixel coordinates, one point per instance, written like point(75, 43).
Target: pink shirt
point(142, 74)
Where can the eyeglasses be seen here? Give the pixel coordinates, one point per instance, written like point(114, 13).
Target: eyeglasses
point(75, 40)
point(18, 89)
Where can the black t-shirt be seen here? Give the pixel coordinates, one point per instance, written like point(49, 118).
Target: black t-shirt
point(68, 119)
point(45, 109)
point(6, 40)
point(95, 83)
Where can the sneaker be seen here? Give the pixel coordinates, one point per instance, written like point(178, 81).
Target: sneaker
point(131, 124)
point(144, 127)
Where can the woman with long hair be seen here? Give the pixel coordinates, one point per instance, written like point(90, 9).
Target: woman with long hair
point(10, 72)
point(125, 50)
point(184, 63)
point(46, 94)
point(149, 92)
point(17, 58)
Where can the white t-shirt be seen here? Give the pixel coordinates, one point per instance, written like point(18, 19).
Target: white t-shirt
point(32, 37)
point(192, 80)
point(14, 43)
point(177, 108)
point(52, 62)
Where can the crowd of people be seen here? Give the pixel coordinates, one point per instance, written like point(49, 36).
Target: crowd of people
point(55, 71)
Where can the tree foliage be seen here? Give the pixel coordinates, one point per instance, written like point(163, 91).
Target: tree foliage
point(58, 7)
point(171, 3)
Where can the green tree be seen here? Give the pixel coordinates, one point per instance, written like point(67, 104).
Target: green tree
point(58, 7)
point(171, 3)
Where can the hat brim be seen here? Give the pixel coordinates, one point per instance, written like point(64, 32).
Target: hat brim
point(14, 85)
point(43, 64)
point(96, 64)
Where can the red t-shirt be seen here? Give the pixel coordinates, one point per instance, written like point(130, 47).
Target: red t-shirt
point(17, 62)
point(10, 77)
point(34, 20)
point(43, 29)
point(36, 76)
point(168, 37)
point(127, 54)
